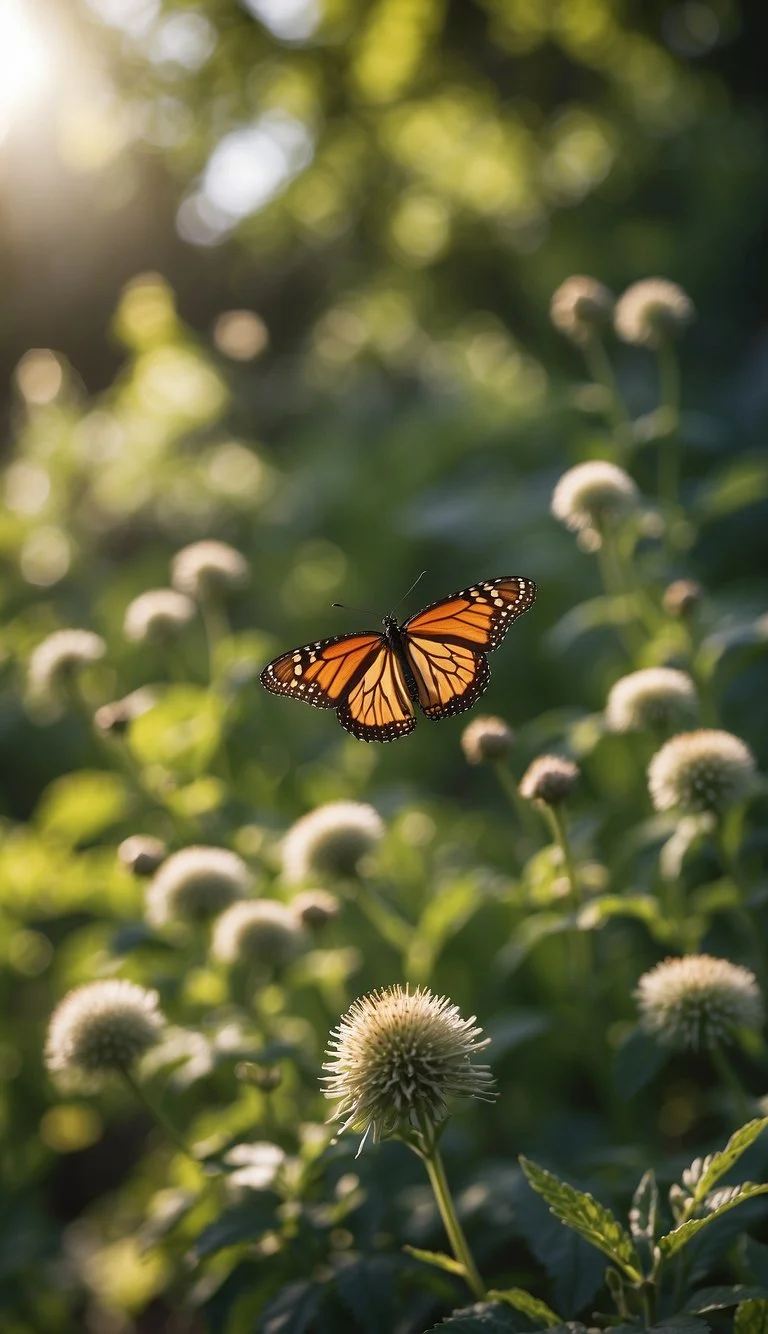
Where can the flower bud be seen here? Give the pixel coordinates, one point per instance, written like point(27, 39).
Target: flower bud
point(157, 615)
point(196, 884)
point(208, 567)
point(101, 1028)
point(550, 779)
point(487, 740)
point(682, 598)
point(652, 312)
point(57, 660)
point(257, 931)
point(141, 853)
point(656, 697)
point(331, 840)
point(315, 908)
point(581, 307)
point(593, 496)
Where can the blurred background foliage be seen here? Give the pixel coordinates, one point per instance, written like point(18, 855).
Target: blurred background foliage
point(278, 272)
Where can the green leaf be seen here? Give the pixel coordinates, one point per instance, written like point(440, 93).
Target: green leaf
point(581, 1211)
point(293, 1310)
point(644, 1213)
point(704, 1173)
point(182, 732)
point(601, 909)
point(79, 807)
point(737, 486)
point(534, 929)
point(674, 1241)
point(717, 1299)
point(531, 1306)
point(242, 1223)
point(511, 1030)
point(483, 1318)
point(437, 1259)
point(636, 1062)
point(575, 1267)
point(366, 1287)
point(751, 1318)
point(675, 1324)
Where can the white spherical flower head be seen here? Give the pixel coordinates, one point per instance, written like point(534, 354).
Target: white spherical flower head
point(487, 740)
point(206, 567)
point(196, 884)
point(102, 1028)
point(157, 614)
point(656, 697)
point(549, 779)
point(593, 496)
point(259, 931)
point(706, 770)
point(698, 1001)
point(398, 1057)
point(581, 307)
point(653, 311)
point(59, 658)
point(331, 840)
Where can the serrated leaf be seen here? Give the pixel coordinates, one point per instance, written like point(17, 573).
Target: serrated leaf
point(366, 1287)
point(582, 1212)
point(243, 1223)
point(644, 1212)
point(575, 1268)
point(704, 1174)
point(483, 1318)
point(675, 1240)
point(530, 1306)
point(437, 1259)
point(751, 1318)
point(719, 1298)
point(636, 1062)
point(293, 1310)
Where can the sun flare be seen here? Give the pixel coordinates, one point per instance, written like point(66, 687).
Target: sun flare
point(25, 62)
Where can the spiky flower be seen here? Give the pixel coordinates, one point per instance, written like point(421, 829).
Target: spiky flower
point(331, 840)
point(205, 567)
point(581, 307)
point(59, 658)
point(682, 597)
point(157, 614)
point(549, 778)
point(698, 1001)
point(706, 770)
point(101, 1028)
point(486, 740)
point(397, 1057)
point(652, 311)
point(142, 853)
point(117, 716)
point(315, 908)
point(656, 697)
point(259, 931)
point(593, 496)
point(196, 884)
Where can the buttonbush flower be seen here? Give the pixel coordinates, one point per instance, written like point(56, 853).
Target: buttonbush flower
point(315, 908)
point(116, 717)
point(486, 740)
point(196, 884)
point(652, 311)
point(59, 658)
point(142, 853)
point(706, 770)
point(656, 697)
point(102, 1028)
point(157, 614)
point(549, 778)
point(205, 567)
point(580, 307)
point(594, 495)
point(698, 1001)
point(396, 1059)
point(331, 840)
point(682, 597)
point(257, 931)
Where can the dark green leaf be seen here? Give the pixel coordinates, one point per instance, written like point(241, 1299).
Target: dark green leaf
point(751, 1318)
point(293, 1310)
point(530, 1306)
point(242, 1223)
point(484, 1318)
point(512, 1030)
point(575, 1268)
point(636, 1062)
point(591, 1220)
point(704, 1173)
point(717, 1299)
point(679, 1237)
point(366, 1287)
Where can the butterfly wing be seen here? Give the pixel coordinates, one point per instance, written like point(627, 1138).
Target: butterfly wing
point(358, 675)
point(446, 643)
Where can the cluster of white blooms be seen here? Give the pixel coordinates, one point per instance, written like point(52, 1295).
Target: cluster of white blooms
point(257, 931)
point(195, 885)
point(655, 697)
point(205, 567)
point(58, 659)
point(487, 739)
point(157, 614)
point(698, 1001)
point(580, 306)
point(549, 778)
point(102, 1028)
point(706, 770)
point(593, 496)
point(651, 311)
point(330, 840)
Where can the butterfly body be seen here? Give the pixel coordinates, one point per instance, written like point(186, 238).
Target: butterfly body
point(436, 660)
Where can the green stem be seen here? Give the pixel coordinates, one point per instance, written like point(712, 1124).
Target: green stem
point(157, 1114)
point(750, 924)
point(615, 585)
point(732, 1082)
point(436, 1171)
point(669, 456)
point(216, 626)
point(521, 808)
point(601, 370)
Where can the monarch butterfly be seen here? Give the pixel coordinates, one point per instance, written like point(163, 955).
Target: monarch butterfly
point(436, 659)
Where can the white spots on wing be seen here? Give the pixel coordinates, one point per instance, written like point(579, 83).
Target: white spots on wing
point(297, 670)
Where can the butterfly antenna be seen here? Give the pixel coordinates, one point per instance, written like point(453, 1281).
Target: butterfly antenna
point(408, 594)
point(360, 611)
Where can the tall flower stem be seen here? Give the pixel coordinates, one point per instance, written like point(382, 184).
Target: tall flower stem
point(158, 1115)
point(601, 370)
point(436, 1171)
point(748, 919)
point(216, 626)
point(732, 1082)
point(520, 808)
point(669, 457)
point(583, 942)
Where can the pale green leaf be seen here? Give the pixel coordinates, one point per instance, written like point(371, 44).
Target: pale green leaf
point(704, 1173)
point(531, 1306)
point(719, 1298)
point(583, 1213)
point(79, 807)
point(181, 732)
point(437, 1259)
point(644, 1212)
point(751, 1317)
point(674, 1241)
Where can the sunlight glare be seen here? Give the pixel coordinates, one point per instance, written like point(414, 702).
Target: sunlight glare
point(25, 62)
